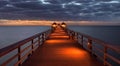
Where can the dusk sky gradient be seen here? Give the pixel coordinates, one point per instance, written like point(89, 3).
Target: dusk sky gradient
point(60, 9)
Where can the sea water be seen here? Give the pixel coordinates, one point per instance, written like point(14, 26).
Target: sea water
point(12, 34)
point(110, 34)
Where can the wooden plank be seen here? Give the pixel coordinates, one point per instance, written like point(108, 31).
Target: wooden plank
point(61, 51)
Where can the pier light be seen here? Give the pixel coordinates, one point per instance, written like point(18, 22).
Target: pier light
point(88, 44)
point(54, 25)
point(63, 25)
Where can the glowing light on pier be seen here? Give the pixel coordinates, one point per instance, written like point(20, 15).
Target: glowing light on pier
point(73, 53)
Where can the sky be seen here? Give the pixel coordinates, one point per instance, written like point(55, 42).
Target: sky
point(60, 9)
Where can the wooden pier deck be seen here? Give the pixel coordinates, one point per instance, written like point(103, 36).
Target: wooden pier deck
point(60, 50)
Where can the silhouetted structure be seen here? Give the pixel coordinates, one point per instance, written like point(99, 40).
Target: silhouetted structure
point(53, 26)
point(63, 25)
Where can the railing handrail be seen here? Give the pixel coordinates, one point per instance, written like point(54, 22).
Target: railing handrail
point(90, 41)
point(99, 41)
point(13, 46)
point(6, 50)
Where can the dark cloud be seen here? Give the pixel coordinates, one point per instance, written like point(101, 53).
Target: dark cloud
point(84, 1)
point(9, 9)
point(103, 0)
point(58, 1)
point(28, 5)
point(60, 9)
point(3, 3)
point(117, 14)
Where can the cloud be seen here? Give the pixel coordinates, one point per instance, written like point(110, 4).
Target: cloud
point(3, 3)
point(61, 9)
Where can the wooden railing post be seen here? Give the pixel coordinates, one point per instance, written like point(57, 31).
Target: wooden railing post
point(39, 40)
point(82, 40)
point(19, 56)
point(73, 35)
point(76, 34)
point(90, 45)
point(43, 38)
point(69, 34)
point(105, 56)
point(32, 43)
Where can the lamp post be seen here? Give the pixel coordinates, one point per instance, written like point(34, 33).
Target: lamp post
point(54, 25)
point(63, 25)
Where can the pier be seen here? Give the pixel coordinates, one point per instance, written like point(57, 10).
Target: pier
point(60, 46)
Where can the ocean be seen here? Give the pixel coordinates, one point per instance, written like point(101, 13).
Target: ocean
point(12, 34)
point(110, 34)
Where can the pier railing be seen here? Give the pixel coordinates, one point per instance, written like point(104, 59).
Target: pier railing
point(98, 48)
point(24, 48)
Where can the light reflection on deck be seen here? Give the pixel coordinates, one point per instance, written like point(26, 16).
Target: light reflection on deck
point(72, 53)
point(59, 50)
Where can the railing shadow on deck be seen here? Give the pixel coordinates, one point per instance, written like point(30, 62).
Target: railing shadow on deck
point(106, 53)
point(24, 48)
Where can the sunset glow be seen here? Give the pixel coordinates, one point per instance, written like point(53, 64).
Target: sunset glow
point(48, 23)
point(25, 22)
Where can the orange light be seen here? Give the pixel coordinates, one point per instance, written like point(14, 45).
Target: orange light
point(88, 43)
point(74, 53)
point(56, 41)
point(54, 25)
point(63, 26)
point(65, 51)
